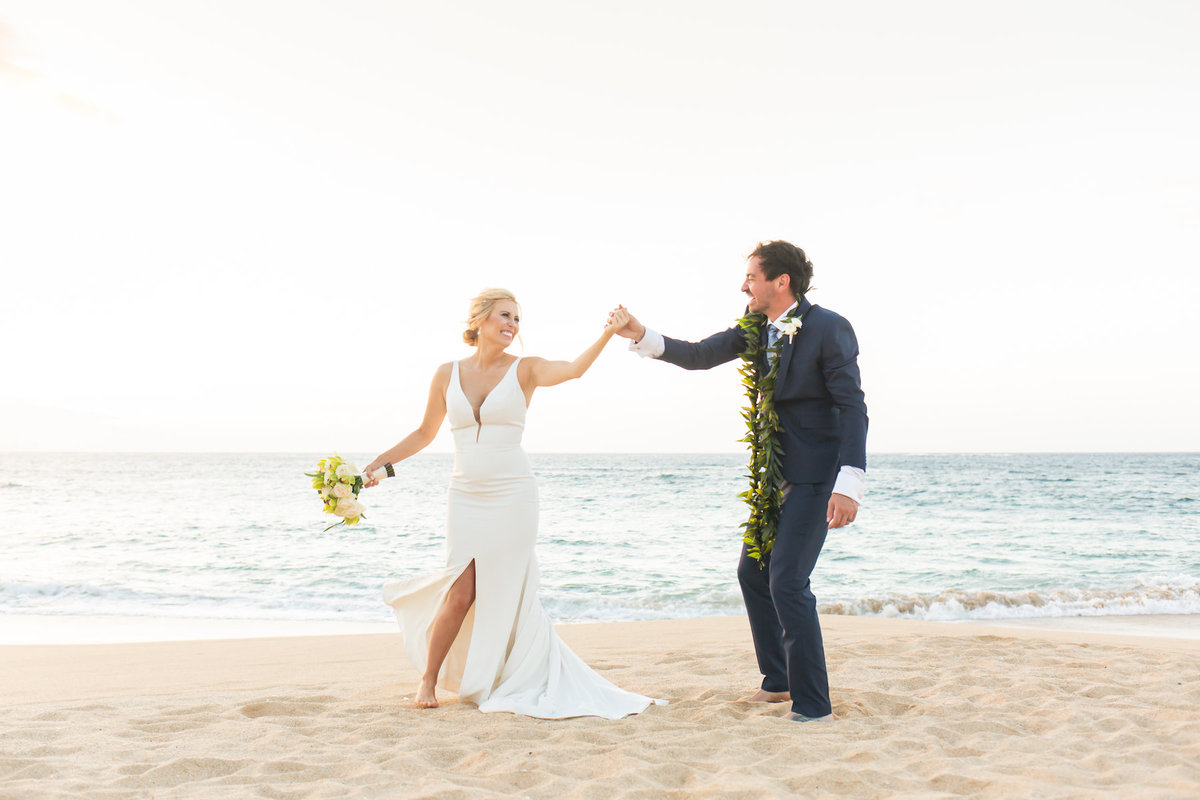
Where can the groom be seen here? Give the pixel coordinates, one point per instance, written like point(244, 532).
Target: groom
point(820, 405)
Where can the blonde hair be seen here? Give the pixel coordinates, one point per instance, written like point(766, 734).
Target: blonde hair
point(481, 309)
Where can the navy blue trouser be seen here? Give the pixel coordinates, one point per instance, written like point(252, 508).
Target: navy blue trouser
point(781, 605)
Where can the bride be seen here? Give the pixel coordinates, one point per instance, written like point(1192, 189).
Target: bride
point(477, 627)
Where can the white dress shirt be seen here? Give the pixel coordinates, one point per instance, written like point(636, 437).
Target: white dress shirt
point(851, 481)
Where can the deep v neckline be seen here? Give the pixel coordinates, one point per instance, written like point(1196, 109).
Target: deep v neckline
point(476, 412)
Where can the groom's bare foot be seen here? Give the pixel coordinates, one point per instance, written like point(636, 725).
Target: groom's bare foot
point(426, 696)
point(763, 696)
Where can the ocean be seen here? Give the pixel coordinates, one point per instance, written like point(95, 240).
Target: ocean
point(622, 537)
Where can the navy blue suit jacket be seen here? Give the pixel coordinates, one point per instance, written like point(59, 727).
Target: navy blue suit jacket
point(818, 393)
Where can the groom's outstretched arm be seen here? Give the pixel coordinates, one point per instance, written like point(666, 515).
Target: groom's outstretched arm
point(705, 354)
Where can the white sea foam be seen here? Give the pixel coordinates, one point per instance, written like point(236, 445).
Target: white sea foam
point(1176, 595)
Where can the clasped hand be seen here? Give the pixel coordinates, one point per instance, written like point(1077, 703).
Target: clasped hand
point(625, 324)
point(618, 320)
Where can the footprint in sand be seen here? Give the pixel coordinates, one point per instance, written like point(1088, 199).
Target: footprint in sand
point(281, 708)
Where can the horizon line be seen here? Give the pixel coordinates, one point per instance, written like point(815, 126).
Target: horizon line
point(608, 452)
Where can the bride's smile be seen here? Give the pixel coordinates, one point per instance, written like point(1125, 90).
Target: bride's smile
point(502, 324)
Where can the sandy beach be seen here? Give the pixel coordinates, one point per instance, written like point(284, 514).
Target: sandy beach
point(924, 710)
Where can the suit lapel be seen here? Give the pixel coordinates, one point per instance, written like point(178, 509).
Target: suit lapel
point(785, 352)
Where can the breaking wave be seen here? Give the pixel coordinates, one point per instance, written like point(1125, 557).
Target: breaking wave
point(1177, 595)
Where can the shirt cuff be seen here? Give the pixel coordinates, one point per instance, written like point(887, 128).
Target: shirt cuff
point(651, 345)
point(852, 482)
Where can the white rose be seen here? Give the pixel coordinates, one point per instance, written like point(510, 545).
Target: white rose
point(790, 326)
point(324, 492)
point(342, 490)
point(346, 471)
point(348, 508)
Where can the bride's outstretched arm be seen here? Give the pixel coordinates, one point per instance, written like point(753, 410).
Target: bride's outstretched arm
point(552, 373)
point(435, 412)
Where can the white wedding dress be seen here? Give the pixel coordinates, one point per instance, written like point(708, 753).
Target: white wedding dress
point(507, 656)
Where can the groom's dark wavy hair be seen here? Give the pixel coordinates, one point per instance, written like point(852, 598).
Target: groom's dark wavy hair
point(781, 257)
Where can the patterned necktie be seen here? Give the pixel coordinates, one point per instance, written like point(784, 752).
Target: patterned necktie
point(772, 338)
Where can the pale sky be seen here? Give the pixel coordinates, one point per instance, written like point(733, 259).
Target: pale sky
point(256, 225)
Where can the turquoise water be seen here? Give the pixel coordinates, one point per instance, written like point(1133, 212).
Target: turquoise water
point(239, 536)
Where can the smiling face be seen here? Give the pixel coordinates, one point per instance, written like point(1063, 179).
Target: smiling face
point(502, 324)
point(763, 296)
point(494, 316)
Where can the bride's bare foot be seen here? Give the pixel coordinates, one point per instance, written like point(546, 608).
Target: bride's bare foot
point(426, 696)
point(763, 696)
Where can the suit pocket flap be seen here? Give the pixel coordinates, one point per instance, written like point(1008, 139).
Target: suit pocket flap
point(816, 419)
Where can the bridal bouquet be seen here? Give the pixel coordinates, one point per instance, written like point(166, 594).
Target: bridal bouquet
point(339, 483)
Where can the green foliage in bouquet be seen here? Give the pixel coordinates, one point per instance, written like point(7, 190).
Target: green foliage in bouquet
point(339, 483)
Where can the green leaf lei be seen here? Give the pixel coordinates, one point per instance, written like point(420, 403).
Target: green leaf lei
point(765, 495)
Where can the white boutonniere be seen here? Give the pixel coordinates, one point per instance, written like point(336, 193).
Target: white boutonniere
point(789, 326)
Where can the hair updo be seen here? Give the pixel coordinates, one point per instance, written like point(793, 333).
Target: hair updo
point(481, 309)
